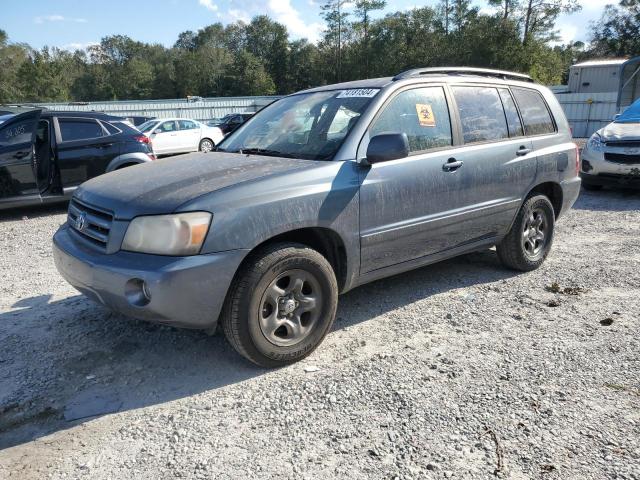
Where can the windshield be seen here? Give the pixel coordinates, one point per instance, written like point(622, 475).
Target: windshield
point(309, 125)
point(147, 126)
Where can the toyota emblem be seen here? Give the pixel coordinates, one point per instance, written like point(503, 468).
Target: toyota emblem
point(81, 221)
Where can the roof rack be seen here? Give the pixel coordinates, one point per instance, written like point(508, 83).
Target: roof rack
point(481, 72)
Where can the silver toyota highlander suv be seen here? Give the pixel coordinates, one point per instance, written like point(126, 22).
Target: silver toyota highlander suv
point(320, 192)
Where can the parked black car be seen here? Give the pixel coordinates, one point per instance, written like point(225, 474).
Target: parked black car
point(45, 155)
point(231, 122)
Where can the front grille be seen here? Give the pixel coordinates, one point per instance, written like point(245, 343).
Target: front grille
point(623, 144)
point(90, 223)
point(622, 158)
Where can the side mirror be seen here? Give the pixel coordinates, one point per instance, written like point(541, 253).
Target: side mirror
point(387, 146)
point(616, 116)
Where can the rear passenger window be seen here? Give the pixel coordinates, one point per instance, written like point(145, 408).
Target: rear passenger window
point(186, 125)
point(535, 114)
point(511, 113)
point(422, 114)
point(481, 114)
point(79, 129)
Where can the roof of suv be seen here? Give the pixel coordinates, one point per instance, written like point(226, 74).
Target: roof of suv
point(445, 74)
point(75, 114)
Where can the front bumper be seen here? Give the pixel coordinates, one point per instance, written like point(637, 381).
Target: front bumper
point(594, 163)
point(181, 291)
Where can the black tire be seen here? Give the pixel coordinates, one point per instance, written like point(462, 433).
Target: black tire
point(591, 187)
point(248, 302)
point(206, 145)
point(519, 254)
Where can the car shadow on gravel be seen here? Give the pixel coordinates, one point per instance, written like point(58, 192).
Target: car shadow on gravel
point(36, 211)
point(607, 200)
point(70, 361)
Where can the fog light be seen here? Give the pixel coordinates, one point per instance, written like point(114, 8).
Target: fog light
point(586, 166)
point(137, 292)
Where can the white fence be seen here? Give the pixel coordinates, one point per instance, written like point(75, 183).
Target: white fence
point(198, 108)
point(588, 112)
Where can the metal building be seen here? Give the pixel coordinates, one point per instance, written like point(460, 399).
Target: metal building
point(197, 108)
point(629, 89)
point(595, 76)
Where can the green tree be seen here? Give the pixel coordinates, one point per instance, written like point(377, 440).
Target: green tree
point(618, 31)
point(269, 41)
point(247, 76)
point(48, 75)
point(12, 56)
point(539, 17)
point(336, 18)
point(362, 12)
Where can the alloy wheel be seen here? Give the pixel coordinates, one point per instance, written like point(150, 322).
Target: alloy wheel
point(535, 232)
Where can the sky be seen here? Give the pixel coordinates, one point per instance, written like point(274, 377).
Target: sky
point(75, 24)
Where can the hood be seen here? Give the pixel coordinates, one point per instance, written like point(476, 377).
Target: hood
point(163, 185)
point(620, 131)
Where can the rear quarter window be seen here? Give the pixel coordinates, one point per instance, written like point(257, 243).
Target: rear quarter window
point(111, 129)
point(535, 114)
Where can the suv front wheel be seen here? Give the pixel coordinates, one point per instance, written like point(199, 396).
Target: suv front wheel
point(281, 305)
point(529, 241)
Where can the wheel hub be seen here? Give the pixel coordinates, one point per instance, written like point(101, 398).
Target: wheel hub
point(290, 307)
point(286, 306)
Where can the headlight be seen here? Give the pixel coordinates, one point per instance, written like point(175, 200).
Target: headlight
point(178, 234)
point(595, 143)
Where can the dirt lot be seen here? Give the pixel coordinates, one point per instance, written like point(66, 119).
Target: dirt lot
point(459, 370)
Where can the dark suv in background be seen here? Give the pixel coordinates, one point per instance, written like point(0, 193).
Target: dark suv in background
point(320, 192)
point(230, 123)
point(45, 155)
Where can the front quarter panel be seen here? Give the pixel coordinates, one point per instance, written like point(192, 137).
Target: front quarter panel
point(248, 214)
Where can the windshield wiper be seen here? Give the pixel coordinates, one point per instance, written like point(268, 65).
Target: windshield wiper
point(265, 152)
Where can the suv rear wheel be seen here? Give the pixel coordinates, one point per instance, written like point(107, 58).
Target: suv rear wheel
point(281, 305)
point(529, 241)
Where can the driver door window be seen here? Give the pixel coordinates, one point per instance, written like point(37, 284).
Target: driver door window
point(422, 114)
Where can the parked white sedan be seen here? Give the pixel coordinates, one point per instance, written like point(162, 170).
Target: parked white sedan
point(180, 135)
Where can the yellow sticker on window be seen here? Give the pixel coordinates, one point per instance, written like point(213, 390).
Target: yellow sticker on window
point(425, 115)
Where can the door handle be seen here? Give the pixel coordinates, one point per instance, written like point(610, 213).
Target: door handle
point(21, 155)
point(523, 151)
point(452, 165)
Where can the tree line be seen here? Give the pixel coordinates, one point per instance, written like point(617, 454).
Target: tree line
point(259, 58)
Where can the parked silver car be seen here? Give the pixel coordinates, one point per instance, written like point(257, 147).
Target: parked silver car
point(611, 157)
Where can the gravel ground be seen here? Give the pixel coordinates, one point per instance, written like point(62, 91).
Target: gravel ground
point(459, 370)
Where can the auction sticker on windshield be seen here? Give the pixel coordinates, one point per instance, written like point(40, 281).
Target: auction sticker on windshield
point(359, 93)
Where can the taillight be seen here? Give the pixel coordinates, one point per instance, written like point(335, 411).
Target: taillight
point(143, 139)
point(577, 159)
point(152, 156)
